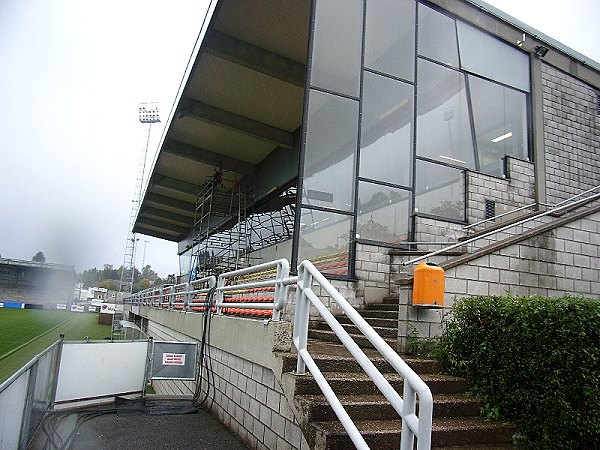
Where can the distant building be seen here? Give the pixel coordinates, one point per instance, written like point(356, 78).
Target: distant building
point(35, 283)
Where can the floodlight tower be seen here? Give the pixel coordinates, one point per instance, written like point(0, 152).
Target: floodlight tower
point(148, 113)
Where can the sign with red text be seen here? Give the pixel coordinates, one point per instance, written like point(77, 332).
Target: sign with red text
point(173, 359)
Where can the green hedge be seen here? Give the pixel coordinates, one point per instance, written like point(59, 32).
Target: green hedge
point(533, 360)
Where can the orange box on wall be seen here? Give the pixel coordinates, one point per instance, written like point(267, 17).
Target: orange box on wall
point(428, 286)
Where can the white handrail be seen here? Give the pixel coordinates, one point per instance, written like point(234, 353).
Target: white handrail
point(412, 425)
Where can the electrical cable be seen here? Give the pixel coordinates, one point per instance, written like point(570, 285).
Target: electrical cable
point(205, 358)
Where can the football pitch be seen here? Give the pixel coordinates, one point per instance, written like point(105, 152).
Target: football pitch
point(26, 332)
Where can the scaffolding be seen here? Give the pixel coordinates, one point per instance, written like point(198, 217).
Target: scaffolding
point(229, 226)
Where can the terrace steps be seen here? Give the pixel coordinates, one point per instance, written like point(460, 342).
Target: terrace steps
point(456, 421)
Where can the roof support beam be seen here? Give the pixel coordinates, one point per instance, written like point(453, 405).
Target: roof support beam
point(254, 58)
point(174, 184)
point(168, 227)
point(258, 130)
point(173, 218)
point(181, 205)
point(204, 156)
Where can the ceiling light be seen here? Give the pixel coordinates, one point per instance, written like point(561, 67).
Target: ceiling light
point(501, 138)
point(453, 159)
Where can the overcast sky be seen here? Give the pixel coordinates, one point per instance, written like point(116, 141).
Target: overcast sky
point(72, 74)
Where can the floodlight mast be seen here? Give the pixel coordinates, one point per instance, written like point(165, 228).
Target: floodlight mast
point(148, 113)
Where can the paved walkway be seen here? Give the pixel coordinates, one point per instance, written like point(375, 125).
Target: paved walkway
point(147, 432)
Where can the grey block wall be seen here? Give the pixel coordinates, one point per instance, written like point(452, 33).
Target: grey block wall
point(560, 262)
point(571, 134)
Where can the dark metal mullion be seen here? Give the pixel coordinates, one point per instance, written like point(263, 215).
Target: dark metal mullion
point(385, 183)
point(387, 75)
point(412, 219)
point(353, 225)
point(329, 210)
point(331, 92)
point(471, 121)
point(302, 152)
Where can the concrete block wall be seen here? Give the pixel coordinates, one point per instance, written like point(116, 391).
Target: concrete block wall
point(516, 190)
point(571, 134)
point(250, 402)
point(563, 261)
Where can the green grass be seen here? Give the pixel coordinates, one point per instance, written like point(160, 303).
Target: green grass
point(26, 332)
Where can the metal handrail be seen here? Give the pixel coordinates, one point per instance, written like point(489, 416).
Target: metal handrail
point(167, 295)
point(226, 283)
point(413, 425)
point(506, 227)
point(498, 216)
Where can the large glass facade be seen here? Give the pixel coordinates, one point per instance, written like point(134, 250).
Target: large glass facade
point(386, 129)
point(389, 37)
point(440, 191)
point(382, 213)
point(500, 121)
point(325, 240)
point(337, 43)
point(437, 36)
point(398, 110)
point(443, 122)
point(485, 55)
point(330, 156)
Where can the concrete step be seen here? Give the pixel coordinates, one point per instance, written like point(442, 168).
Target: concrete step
point(385, 434)
point(331, 357)
point(384, 332)
point(392, 306)
point(361, 340)
point(364, 407)
point(373, 321)
point(361, 384)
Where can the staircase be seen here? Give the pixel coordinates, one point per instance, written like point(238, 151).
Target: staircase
point(456, 421)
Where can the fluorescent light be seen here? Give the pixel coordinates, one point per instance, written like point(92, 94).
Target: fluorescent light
point(501, 138)
point(453, 159)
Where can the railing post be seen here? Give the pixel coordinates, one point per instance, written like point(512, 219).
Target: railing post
point(55, 370)
point(283, 271)
point(28, 405)
point(187, 297)
point(219, 293)
point(409, 406)
point(301, 316)
point(171, 296)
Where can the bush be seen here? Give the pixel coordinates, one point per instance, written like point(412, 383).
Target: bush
point(533, 360)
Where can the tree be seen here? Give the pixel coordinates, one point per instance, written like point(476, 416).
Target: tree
point(111, 285)
point(39, 257)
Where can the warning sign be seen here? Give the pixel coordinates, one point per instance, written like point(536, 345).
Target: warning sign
point(173, 359)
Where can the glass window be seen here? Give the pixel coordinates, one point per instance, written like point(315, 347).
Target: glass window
point(390, 37)
point(386, 130)
point(382, 213)
point(325, 240)
point(337, 45)
point(486, 55)
point(443, 125)
point(185, 263)
point(440, 191)
point(437, 36)
point(330, 151)
point(500, 117)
